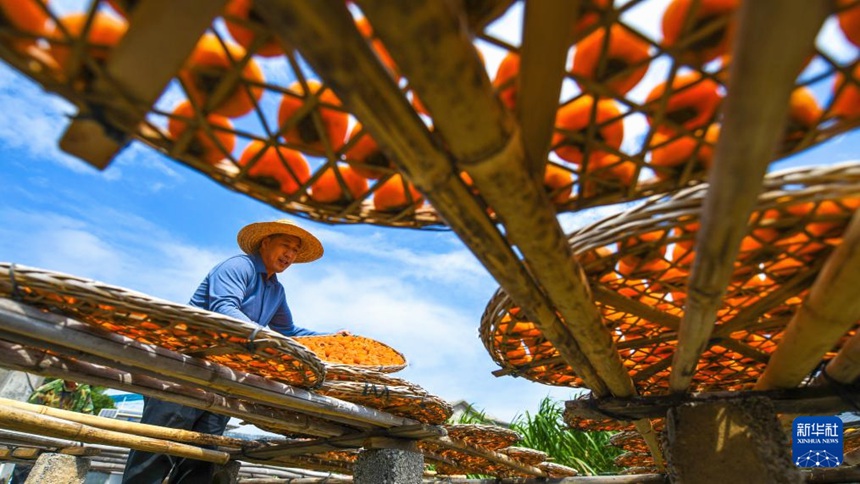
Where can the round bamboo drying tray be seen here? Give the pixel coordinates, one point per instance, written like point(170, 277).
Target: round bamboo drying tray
point(379, 390)
point(630, 441)
point(355, 351)
point(634, 459)
point(638, 261)
point(525, 455)
point(556, 471)
point(490, 437)
point(177, 327)
point(346, 179)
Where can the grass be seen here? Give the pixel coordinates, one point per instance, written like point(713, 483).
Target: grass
point(587, 452)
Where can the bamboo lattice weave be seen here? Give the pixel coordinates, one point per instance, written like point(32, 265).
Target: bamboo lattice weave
point(638, 262)
point(236, 111)
point(381, 391)
point(173, 326)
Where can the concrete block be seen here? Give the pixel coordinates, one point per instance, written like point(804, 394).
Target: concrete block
point(737, 440)
point(59, 469)
point(389, 466)
point(227, 473)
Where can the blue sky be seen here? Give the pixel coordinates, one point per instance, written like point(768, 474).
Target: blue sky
point(150, 224)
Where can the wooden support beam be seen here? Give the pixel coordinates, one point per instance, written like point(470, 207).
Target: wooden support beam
point(30, 326)
point(39, 362)
point(161, 36)
point(829, 311)
point(21, 420)
point(325, 34)
point(754, 114)
point(347, 441)
point(802, 401)
point(547, 35)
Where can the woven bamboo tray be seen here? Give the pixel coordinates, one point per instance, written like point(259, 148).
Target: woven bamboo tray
point(177, 327)
point(326, 172)
point(556, 471)
point(634, 459)
point(487, 437)
point(638, 262)
point(491, 437)
point(356, 351)
point(381, 391)
point(524, 454)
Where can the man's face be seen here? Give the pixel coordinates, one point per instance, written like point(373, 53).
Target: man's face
point(279, 251)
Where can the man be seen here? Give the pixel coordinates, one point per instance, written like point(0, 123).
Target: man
point(64, 394)
point(245, 287)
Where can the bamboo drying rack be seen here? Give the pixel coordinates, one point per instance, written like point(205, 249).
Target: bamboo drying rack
point(489, 173)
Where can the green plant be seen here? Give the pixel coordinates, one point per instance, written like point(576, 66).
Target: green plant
point(100, 400)
point(587, 452)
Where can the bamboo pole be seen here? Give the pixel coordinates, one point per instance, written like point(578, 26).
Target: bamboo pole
point(418, 432)
point(829, 311)
point(491, 456)
point(24, 421)
point(134, 428)
point(39, 362)
point(845, 366)
point(24, 324)
point(546, 40)
point(485, 141)
point(23, 438)
point(754, 114)
point(326, 36)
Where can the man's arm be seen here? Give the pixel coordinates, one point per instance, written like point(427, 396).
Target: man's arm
point(227, 285)
point(282, 322)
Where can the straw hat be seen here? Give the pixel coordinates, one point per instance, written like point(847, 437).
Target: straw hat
point(251, 235)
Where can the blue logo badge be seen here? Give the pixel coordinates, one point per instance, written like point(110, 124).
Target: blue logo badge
point(816, 441)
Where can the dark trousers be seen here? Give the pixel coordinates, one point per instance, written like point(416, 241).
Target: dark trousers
point(149, 468)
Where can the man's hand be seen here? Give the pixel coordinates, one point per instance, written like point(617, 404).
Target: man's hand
point(343, 332)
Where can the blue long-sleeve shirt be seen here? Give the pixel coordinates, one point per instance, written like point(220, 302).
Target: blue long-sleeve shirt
point(238, 287)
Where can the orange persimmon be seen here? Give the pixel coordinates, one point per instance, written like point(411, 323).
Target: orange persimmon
point(392, 195)
point(701, 30)
point(572, 124)
point(846, 101)
point(208, 64)
point(202, 145)
point(237, 14)
point(505, 81)
point(26, 16)
point(277, 167)
point(671, 153)
point(104, 33)
point(364, 154)
point(619, 65)
point(803, 115)
point(849, 20)
point(692, 102)
point(558, 183)
point(327, 188)
point(635, 262)
point(304, 131)
point(608, 172)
